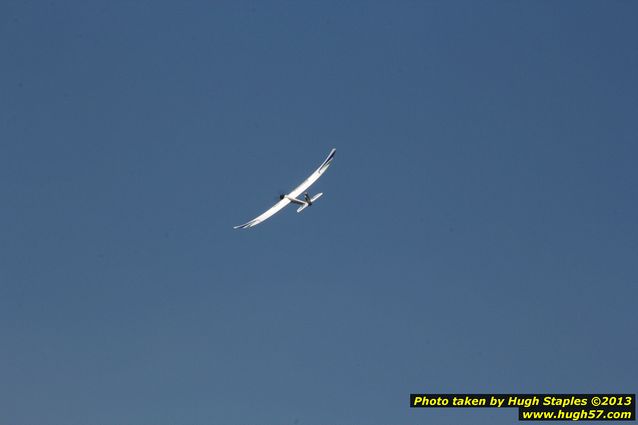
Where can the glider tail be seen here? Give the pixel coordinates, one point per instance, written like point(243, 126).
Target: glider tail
point(309, 201)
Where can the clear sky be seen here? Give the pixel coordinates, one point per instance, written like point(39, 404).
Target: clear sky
point(478, 230)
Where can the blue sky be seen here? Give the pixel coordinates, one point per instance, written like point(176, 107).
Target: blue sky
point(477, 233)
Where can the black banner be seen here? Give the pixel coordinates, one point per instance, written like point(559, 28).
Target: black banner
point(541, 407)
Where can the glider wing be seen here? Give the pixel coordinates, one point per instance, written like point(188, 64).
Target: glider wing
point(271, 211)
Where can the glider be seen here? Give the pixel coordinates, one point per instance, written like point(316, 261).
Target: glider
point(284, 200)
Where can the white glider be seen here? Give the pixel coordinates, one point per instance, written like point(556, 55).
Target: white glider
point(284, 200)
